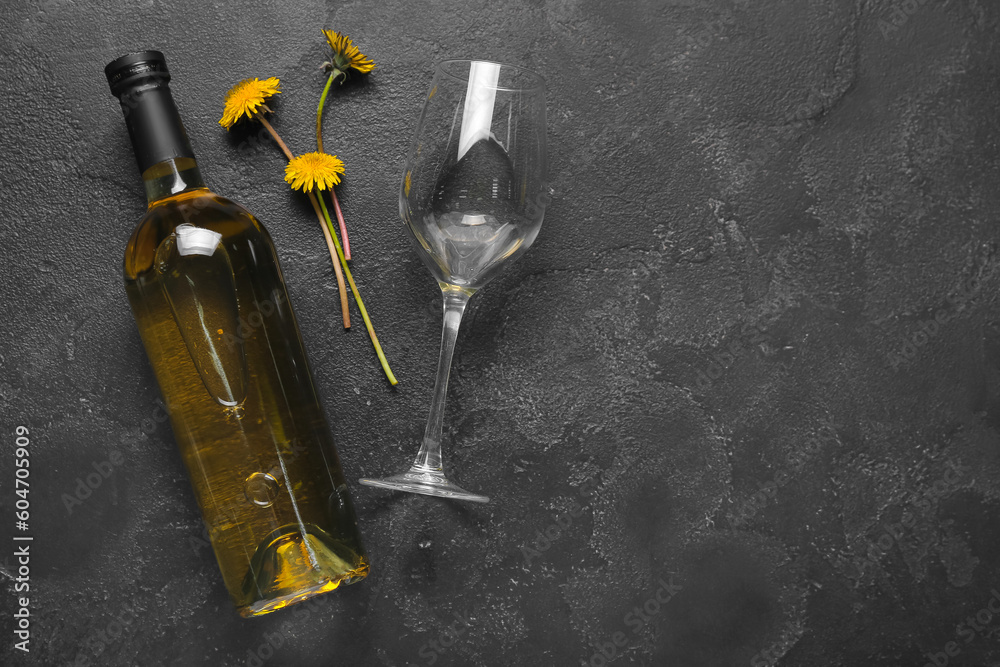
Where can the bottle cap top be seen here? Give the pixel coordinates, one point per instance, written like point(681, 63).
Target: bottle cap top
point(140, 82)
point(132, 67)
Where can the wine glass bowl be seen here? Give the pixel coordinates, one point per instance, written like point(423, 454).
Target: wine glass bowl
point(473, 196)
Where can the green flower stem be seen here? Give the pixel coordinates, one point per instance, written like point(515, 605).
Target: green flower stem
point(334, 73)
point(341, 289)
point(319, 111)
point(344, 311)
point(357, 296)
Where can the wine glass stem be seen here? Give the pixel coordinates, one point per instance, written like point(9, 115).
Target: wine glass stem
point(429, 456)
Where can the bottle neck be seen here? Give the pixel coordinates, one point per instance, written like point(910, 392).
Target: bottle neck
point(158, 136)
point(170, 177)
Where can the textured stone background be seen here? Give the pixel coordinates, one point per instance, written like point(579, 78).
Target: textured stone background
point(715, 366)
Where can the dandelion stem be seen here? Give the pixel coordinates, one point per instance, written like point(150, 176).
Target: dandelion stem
point(340, 221)
point(345, 311)
point(319, 146)
point(281, 144)
point(319, 111)
point(330, 242)
point(357, 297)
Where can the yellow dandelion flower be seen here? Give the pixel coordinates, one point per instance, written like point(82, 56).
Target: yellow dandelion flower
point(314, 170)
point(345, 55)
point(244, 99)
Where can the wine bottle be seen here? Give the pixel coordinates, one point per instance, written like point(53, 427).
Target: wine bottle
point(209, 299)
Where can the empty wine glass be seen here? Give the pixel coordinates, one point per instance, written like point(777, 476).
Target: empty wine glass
point(473, 195)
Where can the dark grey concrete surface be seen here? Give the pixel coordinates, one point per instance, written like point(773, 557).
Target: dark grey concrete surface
point(717, 379)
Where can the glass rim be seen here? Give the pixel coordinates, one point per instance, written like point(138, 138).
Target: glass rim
point(538, 79)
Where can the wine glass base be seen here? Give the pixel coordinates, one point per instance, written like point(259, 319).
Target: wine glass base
point(429, 483)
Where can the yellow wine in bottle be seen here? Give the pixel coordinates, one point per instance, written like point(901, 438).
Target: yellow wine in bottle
point(207, 293)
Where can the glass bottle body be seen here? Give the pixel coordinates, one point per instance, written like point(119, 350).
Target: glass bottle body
point(207, 293)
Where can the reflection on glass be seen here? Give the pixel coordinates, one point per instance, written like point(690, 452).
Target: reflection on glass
point(197, 278)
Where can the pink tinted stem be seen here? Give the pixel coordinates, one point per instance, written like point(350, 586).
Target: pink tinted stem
point(343, 226)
